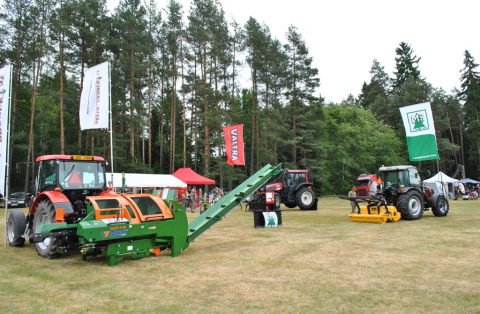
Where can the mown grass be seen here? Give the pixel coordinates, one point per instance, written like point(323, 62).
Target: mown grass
point(318, 262)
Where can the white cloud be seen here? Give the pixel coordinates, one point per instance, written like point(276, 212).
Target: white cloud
point(344, 37)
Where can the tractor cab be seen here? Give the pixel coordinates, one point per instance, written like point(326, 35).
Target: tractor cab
point(70, 173)
point(64, 181)
point(396, 178)
point(295, 178)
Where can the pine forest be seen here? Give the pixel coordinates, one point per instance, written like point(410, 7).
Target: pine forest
point(175, 83)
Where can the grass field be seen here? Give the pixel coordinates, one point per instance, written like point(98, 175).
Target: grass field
point(318, 262)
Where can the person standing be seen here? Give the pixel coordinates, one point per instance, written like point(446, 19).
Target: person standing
point(353, 193)
point(193, 200)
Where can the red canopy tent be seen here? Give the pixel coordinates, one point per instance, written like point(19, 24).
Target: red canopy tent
point(190, 177)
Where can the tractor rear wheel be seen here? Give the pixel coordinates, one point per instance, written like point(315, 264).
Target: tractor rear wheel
point(410, 205)
point(16, 228)
point(305, 198)
point(441, 207)
point(45, 214)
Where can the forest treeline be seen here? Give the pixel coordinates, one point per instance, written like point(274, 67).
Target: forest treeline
point(175, 82)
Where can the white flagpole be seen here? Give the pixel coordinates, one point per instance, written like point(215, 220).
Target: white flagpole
point(7, 177)
point(111, 116)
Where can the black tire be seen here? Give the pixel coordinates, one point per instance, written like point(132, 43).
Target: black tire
point(410, 205)
point(305, 198)
point(290, 205)
point(44, 214)
point(277, 201)
point(16, 228)
point(441, 207)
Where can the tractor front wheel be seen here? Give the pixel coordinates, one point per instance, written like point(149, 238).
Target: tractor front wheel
point(441, 207)
point(305, 198)
point(410, 205)
point(277, 201)
point(45, 214)
point(16, 228)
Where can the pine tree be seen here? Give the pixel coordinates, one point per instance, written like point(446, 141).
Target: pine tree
point(470, 94)
point(174, 33)
point(406, 65)
point(378, 86)
point(302, 82)
point(131, 24)
point(17, 31)
point(87, 44)
point(154, 22)
point(257, 38)
point(43, 10)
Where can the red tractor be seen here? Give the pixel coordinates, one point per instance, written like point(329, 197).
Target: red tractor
point(290, 187)
point(63, 182)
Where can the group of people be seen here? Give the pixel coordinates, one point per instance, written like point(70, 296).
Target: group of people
point(190, 199)
point(216, 195)
point(472, 193)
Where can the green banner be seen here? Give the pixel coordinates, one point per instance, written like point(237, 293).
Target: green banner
point(420, 132)
point(422, 147)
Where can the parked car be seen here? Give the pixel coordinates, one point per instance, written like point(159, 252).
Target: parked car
point(19, 199)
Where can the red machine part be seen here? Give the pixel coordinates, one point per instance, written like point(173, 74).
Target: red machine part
point(274, 187)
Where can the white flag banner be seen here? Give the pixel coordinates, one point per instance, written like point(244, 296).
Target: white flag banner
point(5, 88)
point(95, 97)
point(420, 131)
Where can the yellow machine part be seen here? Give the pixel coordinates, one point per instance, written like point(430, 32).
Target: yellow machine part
point(376, 214)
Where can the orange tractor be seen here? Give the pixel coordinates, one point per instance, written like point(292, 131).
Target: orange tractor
point(61, 189)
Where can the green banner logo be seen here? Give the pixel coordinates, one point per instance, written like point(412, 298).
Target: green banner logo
point(418, 121)
point(271, 219)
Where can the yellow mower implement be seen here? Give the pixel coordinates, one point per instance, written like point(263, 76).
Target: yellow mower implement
point(376, 210)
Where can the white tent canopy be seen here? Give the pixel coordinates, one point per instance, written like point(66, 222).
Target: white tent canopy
point(142, 180)
point(436, 182)
point(441, 177)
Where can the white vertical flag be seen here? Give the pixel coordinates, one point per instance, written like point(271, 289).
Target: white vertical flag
point(5, 88)
point(94, 101)
point(420, 131)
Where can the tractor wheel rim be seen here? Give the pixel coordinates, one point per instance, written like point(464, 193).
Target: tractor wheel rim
point(44, 220)
point(414, 205)
point(307, 198)
point(442, 206)
point(11, 232)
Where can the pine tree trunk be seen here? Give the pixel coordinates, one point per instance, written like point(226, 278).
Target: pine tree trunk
point(461, 146)
point(205, 102)
point(150, 111)
point(37, 71)
point(173, 118)
point(294, 108)
point(62, 69)
point(194, 111)
point(162, 104)
point(184, 112)
point(62, 129)
point(132, 99)
point(254, 95)
point(80, 130)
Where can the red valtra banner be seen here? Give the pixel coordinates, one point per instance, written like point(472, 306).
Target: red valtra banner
point(234, 144)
